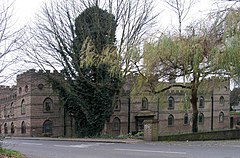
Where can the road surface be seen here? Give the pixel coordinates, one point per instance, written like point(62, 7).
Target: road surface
point(72, 149)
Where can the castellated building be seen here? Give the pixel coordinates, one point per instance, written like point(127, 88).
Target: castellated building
point(32, 108)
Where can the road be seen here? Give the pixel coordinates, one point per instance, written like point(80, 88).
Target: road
point(70, 149)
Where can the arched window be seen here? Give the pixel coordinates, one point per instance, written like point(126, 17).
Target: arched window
point(201, 102)
point(47, 127)
point(221, 117)
point(185, 120)
point(5, 128)
point(116, 124)
point(12, 128)
point(222, 101)
point(117, 105)
point(12, 109)
point(23, 107)
point(170, 120)
point(144, 103)
point(20, 90)
point(171, 102)
point(48, 105)
point(201, 118)
point(26, 88)
point(23, 128)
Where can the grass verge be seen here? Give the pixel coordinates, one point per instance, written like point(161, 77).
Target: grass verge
point(7, 153)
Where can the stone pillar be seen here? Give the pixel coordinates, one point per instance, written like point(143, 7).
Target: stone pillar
point(151, 130)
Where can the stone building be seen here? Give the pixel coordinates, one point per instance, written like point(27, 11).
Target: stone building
point(32, 108)
point(172, 110)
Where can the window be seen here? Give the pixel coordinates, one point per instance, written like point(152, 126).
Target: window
point(201, 118)
point(47, 105)
point(26, 88)
point(47, 127)
point(170, 102)
point(12, 109)
point(201, 102)
point(5, 128)
point(170, 120)
point(221, 117)
point(117, 105)
point(12, 128)
point(20, 90)
point(144, 103)
point(23, 128)
point(221, 101)
point(23, 107)
point(116, 124)
point(40, 86)
point(185, 120)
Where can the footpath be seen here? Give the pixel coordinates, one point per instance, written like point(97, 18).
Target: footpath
point(101, 140)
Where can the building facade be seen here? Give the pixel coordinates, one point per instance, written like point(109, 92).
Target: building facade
point(32, 108)
point(172, 110)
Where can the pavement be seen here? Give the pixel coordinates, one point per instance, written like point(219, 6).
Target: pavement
point(102, 140)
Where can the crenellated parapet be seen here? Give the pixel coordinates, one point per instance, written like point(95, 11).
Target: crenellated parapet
point(33, 72)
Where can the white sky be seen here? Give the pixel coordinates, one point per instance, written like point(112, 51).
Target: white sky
point(25, 10)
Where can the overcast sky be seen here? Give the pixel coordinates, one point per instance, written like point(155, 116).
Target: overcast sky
point(25, 10)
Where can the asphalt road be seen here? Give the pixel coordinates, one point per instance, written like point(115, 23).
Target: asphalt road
point(70, 149)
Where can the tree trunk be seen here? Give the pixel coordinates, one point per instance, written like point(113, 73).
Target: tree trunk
point(194, 100)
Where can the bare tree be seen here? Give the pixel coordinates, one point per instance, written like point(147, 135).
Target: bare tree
point(10, 35)
point(54, 30)
point(60, 40)
point(181, 8)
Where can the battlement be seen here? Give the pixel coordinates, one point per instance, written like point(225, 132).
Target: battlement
point(7, 88)
point(31, 72)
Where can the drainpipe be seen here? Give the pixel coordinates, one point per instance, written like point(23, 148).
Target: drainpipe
point(158, 108)
point(212, 112)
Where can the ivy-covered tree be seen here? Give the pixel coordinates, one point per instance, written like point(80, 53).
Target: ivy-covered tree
point(93, 60)
point(92, 85)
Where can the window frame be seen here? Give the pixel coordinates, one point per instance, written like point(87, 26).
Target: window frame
point(116, 124)
point(171, 102)
point(186, 119)
point(144, 103)
point(221, 117)
point(48, 100)
point(23, 107)
point(5, 128)
point(201, 102)
point(117, 106)
point(170, 120)
point(48, 123)
point(23, 128)
point(12, 128)
point(201, 121)
point(222, 101)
